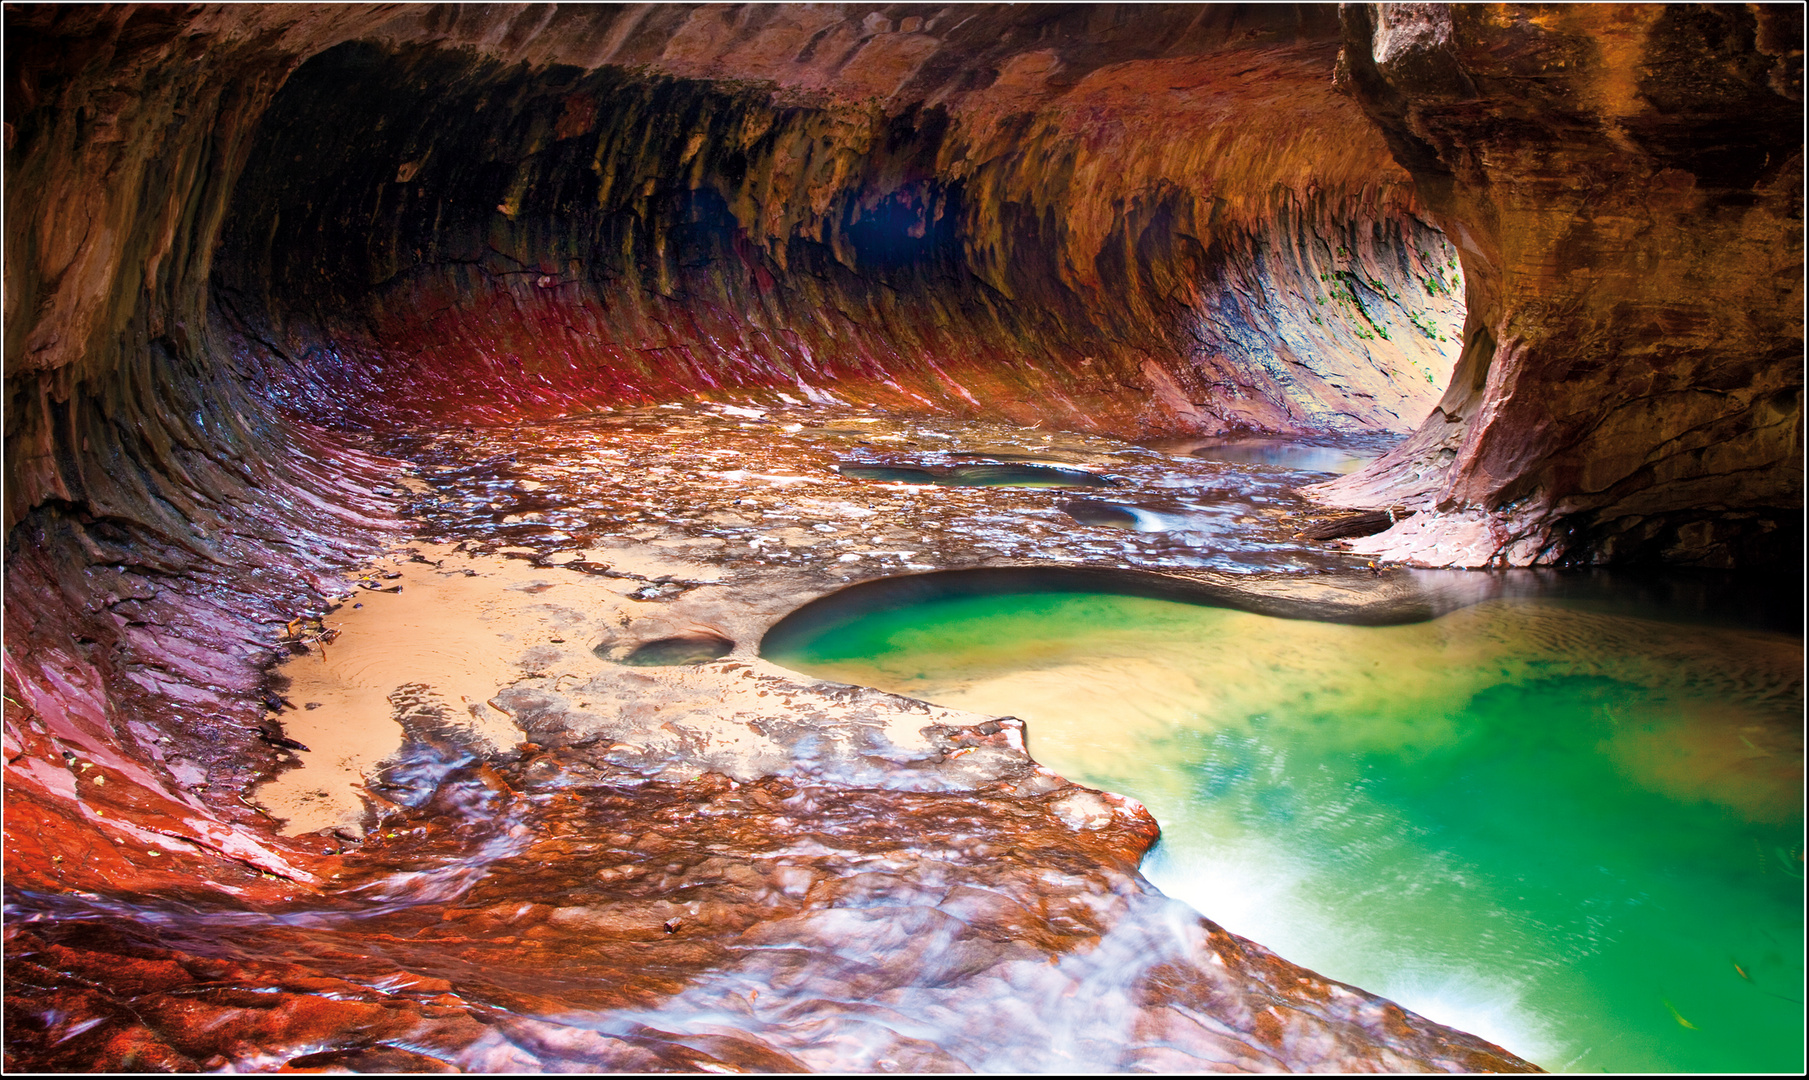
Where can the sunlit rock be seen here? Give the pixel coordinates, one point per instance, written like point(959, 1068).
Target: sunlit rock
point(310, 309)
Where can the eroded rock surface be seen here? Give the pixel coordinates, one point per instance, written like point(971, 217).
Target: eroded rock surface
point(769, 926)
point(1624, 185)
point(679, 866)
point(226, 224)
point(1066, 216)
point(930, 902)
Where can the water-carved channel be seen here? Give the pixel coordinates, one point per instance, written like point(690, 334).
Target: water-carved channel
point(1569, 824)
point(541, 754)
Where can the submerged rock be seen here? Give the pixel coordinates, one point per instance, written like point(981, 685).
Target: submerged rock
point(978, 475)
point(938, 905)
point(685, 649)
point(328, 229)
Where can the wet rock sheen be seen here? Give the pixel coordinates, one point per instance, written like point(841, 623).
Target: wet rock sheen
point(290, 285)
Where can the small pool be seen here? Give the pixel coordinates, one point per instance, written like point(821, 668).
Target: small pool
point(1576, 833)
point(985, 474)
point(1281, 454)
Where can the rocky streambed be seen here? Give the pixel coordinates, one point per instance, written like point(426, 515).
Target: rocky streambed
point(533, 800)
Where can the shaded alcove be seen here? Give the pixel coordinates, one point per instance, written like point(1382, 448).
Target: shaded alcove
point(911, 206)
point(414, 223)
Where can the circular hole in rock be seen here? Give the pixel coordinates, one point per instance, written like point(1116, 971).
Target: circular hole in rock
point(683, 649)
point(1088, 512)
point(1057, 458)
point(1283, 454)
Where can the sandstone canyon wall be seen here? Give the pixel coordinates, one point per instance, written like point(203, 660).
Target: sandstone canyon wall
point(1625, 187)
point(1070, 215)
point(1040, 218)
point(238, 235)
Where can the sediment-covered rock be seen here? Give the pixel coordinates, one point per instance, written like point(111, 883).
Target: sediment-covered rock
point(865, 883)
point(576, 848)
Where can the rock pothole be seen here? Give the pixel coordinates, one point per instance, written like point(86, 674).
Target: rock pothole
point(689, 648)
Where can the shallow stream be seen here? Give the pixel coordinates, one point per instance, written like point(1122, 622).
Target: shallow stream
point(1572, 830)
point(562, 816)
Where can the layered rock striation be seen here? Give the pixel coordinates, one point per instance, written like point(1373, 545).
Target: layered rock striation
point(242, 239)
point(1036, 218)
point(1624, 186)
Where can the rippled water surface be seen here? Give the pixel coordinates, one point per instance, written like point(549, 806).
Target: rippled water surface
point(1575, 833)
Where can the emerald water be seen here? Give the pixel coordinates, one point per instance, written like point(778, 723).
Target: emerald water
point(1577, 834)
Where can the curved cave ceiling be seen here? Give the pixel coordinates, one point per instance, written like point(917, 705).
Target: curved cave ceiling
point(1111, 220)
point(1556, 250)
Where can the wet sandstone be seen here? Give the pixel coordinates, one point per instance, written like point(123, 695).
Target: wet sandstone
point(714, 864)
point(923, 214)
point(1627, 198)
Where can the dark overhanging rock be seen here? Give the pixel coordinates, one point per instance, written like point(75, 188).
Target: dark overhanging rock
point(561, 235)
point(163, 518)
point(1625, 186)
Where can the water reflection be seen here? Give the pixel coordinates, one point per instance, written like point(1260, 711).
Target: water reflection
point(1277, 453)
point(985, 474)
point(1553, 820)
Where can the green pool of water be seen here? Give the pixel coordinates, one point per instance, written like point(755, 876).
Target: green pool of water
point(982, 475)
point(1576, 834)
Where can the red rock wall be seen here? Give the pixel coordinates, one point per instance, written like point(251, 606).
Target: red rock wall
point(1625, 185)
point(1110, 162)
point(1135, 218)
point(1112, 247)
point(1097, 216)
point(162, 519)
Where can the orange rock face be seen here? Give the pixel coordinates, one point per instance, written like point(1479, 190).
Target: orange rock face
point(1196, 236)
point(1625, 186)
point(238, 235)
